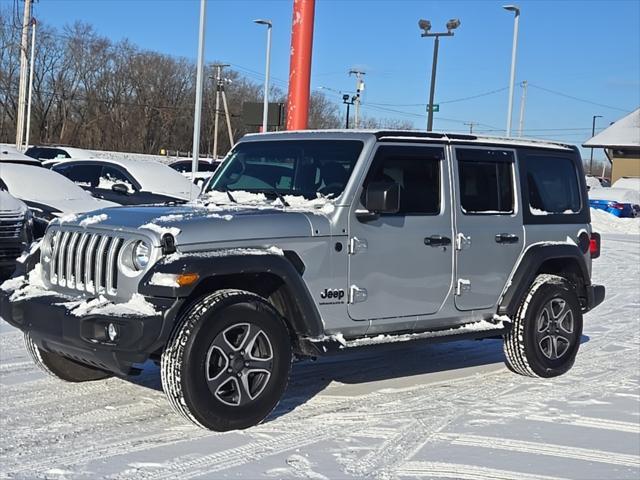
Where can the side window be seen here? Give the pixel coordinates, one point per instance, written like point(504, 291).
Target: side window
point(111, 175)
point(553, 185)
point(416, 170)
point(486, 181)
point(80, 174)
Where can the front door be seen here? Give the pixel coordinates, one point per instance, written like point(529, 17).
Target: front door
point(489, 231)
point(400, 265)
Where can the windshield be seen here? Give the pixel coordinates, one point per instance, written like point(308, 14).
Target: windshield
point(306, 168)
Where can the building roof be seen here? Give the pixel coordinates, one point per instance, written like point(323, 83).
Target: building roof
point(625, 133)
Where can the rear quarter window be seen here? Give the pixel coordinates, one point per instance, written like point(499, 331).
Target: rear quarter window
point(553, 186)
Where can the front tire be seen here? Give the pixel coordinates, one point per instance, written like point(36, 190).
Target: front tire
point(546, 332)
point(61, 367)
point(227, 363)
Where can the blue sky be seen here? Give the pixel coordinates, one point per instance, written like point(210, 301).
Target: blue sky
point(586, 49)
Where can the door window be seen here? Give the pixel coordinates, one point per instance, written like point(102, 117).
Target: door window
point(417, 171)
point(553, 185)
point(84, 175)
point(486, 181)
point(111, 176)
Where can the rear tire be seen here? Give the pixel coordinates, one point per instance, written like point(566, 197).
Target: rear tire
point(227, 363)
point(61, 367)
point(545, 335)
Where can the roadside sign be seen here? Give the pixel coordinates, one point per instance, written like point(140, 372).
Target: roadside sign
point(434, 108)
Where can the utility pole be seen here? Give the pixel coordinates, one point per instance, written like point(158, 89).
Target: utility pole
point(199, 81)
point(514, 51)
point(471, 124)
point(359, 87)
point(265, 108)
point(31, 72)
point(425, 26)
point(22, 90)
point(593, 133)
point(523, 101)
point(220, 93)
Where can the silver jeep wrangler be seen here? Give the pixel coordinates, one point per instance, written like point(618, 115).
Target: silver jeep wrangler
point(308, 242)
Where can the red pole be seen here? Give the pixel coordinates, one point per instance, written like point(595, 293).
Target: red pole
point(300, 64)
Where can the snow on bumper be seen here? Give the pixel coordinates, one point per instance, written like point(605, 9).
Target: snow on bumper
point(77, 328)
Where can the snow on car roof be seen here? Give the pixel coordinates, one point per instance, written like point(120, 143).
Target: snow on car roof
point(10, 153)
point(43, 184)
point(621, 195)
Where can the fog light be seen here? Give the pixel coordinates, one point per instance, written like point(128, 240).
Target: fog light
point(112, 332)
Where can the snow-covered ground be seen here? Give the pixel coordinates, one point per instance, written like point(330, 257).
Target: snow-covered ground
point(399, 411)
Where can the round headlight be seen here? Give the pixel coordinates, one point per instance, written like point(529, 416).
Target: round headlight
point(140, 255)
point(47, 246)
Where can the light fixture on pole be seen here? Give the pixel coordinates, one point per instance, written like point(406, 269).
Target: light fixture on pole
point(593, 133)
point(199, 82)
point(348, 101)
point(514, 51)
point(425, 26)
point(265, 109)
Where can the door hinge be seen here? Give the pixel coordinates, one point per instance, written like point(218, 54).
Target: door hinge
point(462, 241)
point(463, 285)
point(357, 245)
point(357, 294)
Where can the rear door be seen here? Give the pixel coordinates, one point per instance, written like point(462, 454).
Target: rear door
point(489, 230)
point(401, 264)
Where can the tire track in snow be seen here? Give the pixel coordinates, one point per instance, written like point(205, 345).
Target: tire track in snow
point(459, 471)
point(536, 448)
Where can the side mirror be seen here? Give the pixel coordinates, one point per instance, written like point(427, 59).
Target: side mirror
point(383, 197)
point(120, 188)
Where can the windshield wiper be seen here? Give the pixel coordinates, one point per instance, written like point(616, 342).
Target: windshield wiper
point(226, 189)
point(279, 196)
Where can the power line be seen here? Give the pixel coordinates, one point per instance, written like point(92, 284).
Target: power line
point(462, 99)
point(548, 90)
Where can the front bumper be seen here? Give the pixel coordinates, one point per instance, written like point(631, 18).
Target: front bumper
point(54, 328)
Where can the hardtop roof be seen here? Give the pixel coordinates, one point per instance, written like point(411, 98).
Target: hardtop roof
point(411, 136)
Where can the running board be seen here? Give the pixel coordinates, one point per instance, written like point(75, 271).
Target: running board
point(469, 331)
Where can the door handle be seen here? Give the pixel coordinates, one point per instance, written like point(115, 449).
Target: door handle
point(506, 238)
point(437, 241)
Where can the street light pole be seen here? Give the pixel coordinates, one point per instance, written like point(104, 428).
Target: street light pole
point(514, 51)
point(199, 82)
point(265, 108)
point(345, 100)
point(593, 132)
point(31, 72)
point(425, 25)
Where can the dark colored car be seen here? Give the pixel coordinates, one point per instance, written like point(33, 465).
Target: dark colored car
point(128, 182)
point(206, 168)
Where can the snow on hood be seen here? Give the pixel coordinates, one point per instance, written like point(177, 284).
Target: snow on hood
point(621, 195)
point(205, 223)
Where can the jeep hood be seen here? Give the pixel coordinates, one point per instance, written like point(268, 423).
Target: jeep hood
point(195, 224)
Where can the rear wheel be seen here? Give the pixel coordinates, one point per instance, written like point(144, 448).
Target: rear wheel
point(545, 336)
point(227, 364)
point(61, 367)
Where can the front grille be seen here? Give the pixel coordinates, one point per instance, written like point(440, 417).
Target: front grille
point(11, 224)
point(85, 261)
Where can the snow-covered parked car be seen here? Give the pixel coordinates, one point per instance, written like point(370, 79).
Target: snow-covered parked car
point(127, 181)
point(56, 152)
point(16, 230)
point(621, 202)
point(48, 194)
point(9, 154)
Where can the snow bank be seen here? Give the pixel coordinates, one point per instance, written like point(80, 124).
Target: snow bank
point(93, 219)
point(604, 222)
point(137, 306)
point(621, 195)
